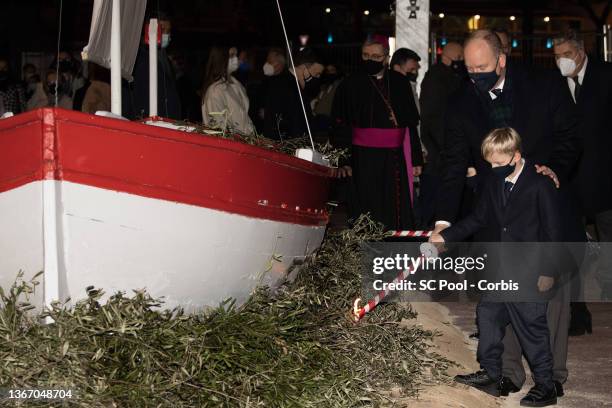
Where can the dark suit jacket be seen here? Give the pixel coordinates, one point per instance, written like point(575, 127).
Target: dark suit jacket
point(136, 94)
point(593, 180)
point(531, 214)
point(283, 115)
point(544, 115)
point(439, 84)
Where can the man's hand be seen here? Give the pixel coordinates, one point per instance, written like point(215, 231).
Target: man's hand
point(342, 172)
point(545, 283)
point(547, 171)
point(417, 170)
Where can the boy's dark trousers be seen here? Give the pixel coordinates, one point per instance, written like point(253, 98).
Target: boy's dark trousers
point(528, 320)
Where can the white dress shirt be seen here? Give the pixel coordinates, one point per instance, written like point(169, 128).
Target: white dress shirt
point(499, 86)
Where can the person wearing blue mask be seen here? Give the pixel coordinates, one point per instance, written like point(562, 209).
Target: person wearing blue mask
point(536, 103)
point(135, 94)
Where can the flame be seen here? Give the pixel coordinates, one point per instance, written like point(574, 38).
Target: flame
point(356, 309)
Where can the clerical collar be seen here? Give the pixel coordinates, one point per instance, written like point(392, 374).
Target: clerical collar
point(380, 75)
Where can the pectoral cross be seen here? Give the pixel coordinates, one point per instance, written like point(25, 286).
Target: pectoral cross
point(393, 119)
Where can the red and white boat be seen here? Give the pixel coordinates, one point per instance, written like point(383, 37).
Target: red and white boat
point(122, 205)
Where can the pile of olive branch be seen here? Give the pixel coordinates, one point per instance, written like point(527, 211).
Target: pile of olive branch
point(287, 146)
point(296, 349)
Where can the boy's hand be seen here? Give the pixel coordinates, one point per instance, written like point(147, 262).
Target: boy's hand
point(545, 283)
point(436, 238)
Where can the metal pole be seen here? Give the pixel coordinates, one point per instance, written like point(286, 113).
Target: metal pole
point(153, 67)
point(116, 58)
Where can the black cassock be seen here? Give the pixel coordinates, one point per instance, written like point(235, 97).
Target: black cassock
point(380, 184)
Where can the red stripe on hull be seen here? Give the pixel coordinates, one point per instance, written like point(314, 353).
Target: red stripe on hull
point(161, 163)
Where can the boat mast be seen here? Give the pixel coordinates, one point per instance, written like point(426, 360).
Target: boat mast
point(153, 67)
point(116, 58)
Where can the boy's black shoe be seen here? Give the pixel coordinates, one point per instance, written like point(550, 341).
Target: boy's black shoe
point(539, 396)
point(559, 389)
point(506, 386)
point(480, 380)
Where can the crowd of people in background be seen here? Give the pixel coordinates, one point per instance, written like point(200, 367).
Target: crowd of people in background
point(397, 135)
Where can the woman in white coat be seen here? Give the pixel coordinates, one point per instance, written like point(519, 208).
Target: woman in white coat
point(224, 103)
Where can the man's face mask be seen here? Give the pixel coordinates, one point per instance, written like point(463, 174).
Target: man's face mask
point(567, 66)
point(412, 77)
point(268, 69)
point(165, 40)
point(373, 67)
point(52, 88)
point(312, 86)
point(65, 66)
point(485, 81)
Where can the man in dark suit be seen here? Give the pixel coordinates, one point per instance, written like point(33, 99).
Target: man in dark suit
point(440, 82)
point(515, 205)
point(590, 82)
point(135, 94)
point(537, 105)
point(283, 113)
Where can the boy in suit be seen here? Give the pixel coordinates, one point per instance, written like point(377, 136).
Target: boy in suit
point(516, 205)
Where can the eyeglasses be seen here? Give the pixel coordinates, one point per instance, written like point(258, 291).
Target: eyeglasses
point(375, 57)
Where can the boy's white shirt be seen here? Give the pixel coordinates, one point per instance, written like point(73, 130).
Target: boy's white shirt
point(514, 178)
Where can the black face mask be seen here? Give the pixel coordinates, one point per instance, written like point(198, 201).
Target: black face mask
point(372, 67)
point(65, 66)
point(52, 88)
point(485, 81)
point(412, 77)
point(328, 79)
point(504, 171)
point(312, 86)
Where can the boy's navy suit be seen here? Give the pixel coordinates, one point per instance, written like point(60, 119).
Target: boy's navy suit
point(527, 213)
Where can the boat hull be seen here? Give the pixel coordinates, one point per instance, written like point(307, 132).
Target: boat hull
point(123, 206)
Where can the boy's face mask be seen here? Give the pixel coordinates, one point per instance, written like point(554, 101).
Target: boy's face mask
point(504, 171)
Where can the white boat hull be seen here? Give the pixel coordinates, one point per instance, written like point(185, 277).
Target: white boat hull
point(192, 256)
